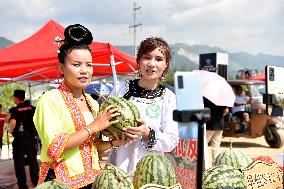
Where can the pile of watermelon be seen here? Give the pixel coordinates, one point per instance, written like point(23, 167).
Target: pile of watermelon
point(151, 169)
point(154, 169)
point(112, 177)
point(228, 171)
point(234, 158)
point(223, 177)
point(129, 114)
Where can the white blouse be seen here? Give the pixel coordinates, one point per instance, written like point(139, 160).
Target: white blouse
point(157, 112)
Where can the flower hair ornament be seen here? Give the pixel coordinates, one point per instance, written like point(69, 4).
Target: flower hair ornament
point(57, 42)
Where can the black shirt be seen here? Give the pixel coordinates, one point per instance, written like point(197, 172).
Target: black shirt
point(217, 118)
point(23, 114)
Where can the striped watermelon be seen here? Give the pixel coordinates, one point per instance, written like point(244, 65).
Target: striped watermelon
point(112, 177)
point(234, 158)
point(154, 169)
point(128, 114)
point(223, 177)
point(54, 184)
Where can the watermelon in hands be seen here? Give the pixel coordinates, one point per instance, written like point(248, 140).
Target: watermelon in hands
point(129, 114)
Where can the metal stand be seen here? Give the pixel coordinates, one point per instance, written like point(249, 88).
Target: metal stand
point(200, 116)
point(271, 100)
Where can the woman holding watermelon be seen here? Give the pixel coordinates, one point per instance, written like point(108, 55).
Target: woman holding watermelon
point(158, 133)
point(68, 120)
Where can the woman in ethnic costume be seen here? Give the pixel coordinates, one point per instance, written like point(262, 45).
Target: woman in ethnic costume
point(158, 132)
point(67, 119)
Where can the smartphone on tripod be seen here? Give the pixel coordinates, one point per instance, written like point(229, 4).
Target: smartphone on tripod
point(274, 80)
point(189, 97)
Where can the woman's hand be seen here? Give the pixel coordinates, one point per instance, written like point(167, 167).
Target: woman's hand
point(137, 132)
point(104, 119)
point(116, 141)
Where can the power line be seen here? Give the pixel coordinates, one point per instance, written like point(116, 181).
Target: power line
point(135, 25)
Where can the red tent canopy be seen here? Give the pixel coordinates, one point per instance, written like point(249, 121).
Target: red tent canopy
point(35, 58)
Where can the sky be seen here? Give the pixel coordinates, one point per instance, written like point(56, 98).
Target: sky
point(253, 26)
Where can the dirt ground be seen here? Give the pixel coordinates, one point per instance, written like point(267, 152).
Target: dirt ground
point(254, 147)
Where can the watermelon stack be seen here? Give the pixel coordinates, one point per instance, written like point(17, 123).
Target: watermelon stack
point(154, 169)
point(234, 158)
point(223, 177)
point(129, 114)
point(112, 177)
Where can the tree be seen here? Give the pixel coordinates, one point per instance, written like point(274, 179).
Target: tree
point(6, 92)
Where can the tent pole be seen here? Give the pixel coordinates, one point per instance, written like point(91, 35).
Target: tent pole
point(112, 63)
point(30, 91)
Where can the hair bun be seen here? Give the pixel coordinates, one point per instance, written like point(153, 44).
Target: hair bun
point(77, 35)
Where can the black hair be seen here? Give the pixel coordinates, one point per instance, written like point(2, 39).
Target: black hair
point(76, 37)
point(0, 105)
point(238, 87)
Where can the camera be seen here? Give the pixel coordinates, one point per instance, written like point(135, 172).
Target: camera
point(180, 82)
point(271, 74)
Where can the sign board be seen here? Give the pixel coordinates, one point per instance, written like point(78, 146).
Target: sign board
point(262, 175)
point(184, 161)
point(214, 62)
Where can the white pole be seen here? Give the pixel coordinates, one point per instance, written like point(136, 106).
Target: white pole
point(112, 63)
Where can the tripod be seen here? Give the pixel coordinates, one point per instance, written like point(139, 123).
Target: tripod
point(201, 116)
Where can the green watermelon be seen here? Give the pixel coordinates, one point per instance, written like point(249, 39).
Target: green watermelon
point(154, 169)
point(234, 158)
point(128, 114)
point(223, 177)
point(54, 184)
point(112, 177)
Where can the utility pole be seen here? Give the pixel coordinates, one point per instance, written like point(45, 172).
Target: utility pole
point(134, 26)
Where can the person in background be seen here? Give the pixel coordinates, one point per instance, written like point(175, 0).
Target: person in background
point(68, 120)
point(3, 119)
point(23, 130)
point(215, 127)
point(158, 132)
point(240, 104)
point(247, 74)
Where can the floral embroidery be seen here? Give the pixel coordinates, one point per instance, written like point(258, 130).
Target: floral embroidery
point(60, 167)
point(76, 181)
point(134, 90)
point(56, 148)
point(44, 167)
point(153, 110)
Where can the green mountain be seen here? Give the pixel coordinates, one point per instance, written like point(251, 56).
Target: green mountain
point(4, 42)
point(187, 56)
